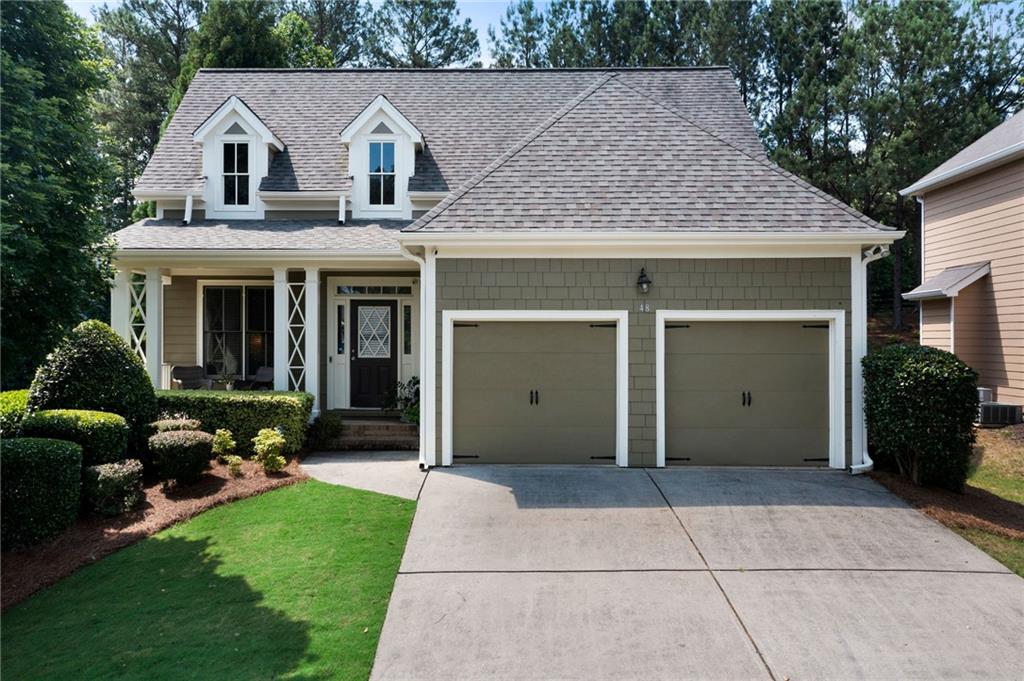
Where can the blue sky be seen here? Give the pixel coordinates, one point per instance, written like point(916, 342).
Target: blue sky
point(481, 12)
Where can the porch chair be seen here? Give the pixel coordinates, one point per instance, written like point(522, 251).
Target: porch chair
point(190, 378)
point(262, 380)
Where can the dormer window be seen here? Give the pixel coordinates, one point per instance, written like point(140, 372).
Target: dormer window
point(382, 173)
point(236, 174)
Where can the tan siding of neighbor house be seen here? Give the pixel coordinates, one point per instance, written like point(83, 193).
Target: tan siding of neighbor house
point(935, 323)
point(610, 284)
point(982, 218)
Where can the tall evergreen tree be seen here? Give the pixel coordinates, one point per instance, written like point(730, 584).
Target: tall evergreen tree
point(628, 28)
point(675, 33)
point(421, 34)
point(564, 47)
point(521, 41)
point(338, 25)
point(54, 181)
point(300, 48)
point(735, 37)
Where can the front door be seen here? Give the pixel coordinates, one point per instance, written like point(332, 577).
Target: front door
point(373, 352)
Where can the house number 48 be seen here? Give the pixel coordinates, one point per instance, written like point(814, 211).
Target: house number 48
point(643, 307)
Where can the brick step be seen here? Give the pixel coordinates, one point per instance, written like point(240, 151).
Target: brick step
point(382, 430)
point(362, 443)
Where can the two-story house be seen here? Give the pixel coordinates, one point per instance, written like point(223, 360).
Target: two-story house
point(581, 266)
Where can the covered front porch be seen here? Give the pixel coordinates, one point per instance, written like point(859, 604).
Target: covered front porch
point(345, 330)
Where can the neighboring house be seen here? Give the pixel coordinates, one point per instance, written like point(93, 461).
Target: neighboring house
point(972, 264)
point(585, 266)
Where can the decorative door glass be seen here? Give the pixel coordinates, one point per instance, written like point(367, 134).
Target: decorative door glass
point(374, 332)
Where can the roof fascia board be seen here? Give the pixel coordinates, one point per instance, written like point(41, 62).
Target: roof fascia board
point(234, 104)
point(591, 238)
point(1004, 155)
point(299, 195)
point(253, 255)
point(154, 195)
point(381, 104)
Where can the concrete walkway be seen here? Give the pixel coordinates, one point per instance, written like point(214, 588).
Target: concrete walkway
point(394, 473)
point(605, 573)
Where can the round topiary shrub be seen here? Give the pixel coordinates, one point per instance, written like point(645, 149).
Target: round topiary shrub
point(13, 404)
point(93, 368)
point(103, 436)
point(39, 489)
point(167, 425)
point(920, 404)
point(113, 488)
point(181, 455)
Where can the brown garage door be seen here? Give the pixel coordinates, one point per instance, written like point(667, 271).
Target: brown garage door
point(534, 392)
point(746, 393)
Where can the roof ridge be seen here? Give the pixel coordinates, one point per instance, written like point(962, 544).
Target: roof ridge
point(497, 163)
point(591, 69)
point(774, 167)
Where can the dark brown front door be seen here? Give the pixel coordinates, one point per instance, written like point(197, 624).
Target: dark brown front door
point(373, 352)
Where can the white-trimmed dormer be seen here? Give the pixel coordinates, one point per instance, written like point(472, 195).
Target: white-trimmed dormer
point(236, 155)
point(382, 146)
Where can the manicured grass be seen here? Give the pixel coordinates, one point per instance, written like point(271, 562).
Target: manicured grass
point(291, 584)
point(1000, 465)
point(1009, 552)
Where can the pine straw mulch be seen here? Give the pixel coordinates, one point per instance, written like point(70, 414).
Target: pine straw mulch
point(26, 571)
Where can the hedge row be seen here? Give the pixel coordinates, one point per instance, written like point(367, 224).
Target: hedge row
point(243, 413)
point(39, 489)
point(13, 404)
point(102, 436)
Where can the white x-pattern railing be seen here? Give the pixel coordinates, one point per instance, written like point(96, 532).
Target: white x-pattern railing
point(137, 315)
point(296, 336)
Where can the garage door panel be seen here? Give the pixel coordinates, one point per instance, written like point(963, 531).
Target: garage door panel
point(534, 337)
point(720, 409)
point(710, 371)
point(557, 445)
point(524, 371)
point(504, 408)
point(734, 337)
point(730, 447)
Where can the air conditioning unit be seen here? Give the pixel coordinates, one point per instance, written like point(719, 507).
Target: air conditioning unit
point(984, 395)
point(995, 414)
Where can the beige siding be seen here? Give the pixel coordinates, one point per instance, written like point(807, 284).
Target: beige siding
point(180, 321)
point(982, 218)
point(935, 323)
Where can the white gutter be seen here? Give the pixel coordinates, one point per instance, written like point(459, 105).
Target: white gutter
point(972, 168)
point(422, 348)
point(252, 255)
point(526, 237)
point(860, 350)
point(143, 195)
point(299, 195)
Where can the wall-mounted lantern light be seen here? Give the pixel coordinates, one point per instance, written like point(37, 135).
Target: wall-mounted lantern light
point(643, 282)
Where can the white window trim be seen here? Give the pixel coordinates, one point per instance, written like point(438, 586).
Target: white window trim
point(837, 365)
point(201, 286)
point(250, 159)
point(395, 207)
point(620, 317)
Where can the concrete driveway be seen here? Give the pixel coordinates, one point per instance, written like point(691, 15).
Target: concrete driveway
point(605, 573)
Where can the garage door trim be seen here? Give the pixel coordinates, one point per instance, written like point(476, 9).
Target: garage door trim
point(836, 320)
point(619, 317)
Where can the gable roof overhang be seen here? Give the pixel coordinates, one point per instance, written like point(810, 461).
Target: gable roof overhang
point(381, 104)
point(949, 282)
point(962, 172)
point(234, 104)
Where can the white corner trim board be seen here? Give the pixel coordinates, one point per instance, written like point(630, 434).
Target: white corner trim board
point(621, 319)
point(837, 370)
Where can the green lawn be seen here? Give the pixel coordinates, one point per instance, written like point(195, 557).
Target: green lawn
point(291, 584)
point(999, 469)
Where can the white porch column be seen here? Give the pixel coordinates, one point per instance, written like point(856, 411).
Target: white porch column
point(428, 371)
point(120, 303)
point(312, 358)
point(280, 328)
point(154, 325)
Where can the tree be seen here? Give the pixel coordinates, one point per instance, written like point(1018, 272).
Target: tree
point(338, 25)
point(232, 34)
point(735, 39)
point(521, 41)
point(55, 263)
point(675, 33)
point(300, 50)
point(564, 48)
point(628, 30)
point(423, 34)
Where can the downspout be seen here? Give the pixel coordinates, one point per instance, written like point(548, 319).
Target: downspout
point(188, 210)
point(406, 253)
point(869, 256)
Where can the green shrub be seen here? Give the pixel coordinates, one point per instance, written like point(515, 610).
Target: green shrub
point(234, 463)
point(324, 431)
point(39, 489)
point(244, 413)
point(113, 488)
point(13, 404)
point(181, 455)
point(167, 425)
point(268, 445)
point(93, 368)
point(920, 404)
point(102, 436)
point(223, 444)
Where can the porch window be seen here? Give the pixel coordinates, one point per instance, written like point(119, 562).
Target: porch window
point(382, 173)
point(238, 329)
point(236, 174)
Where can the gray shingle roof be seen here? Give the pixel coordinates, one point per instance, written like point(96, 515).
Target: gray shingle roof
point(468, 117)
point(949, 281)
point(1008, 134)
point(620, 157)
point(295, 235)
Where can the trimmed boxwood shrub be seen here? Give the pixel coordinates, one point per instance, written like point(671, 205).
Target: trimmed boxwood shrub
point(244, 413)
point(181, 455)
point(93, 368)
point(39, 489)
point(920, 404)
point(13, 404)
point(113, 488)
point(167, 425)
point(103, 436)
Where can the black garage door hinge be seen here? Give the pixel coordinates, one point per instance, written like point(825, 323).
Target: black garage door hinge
point(463, 325)
point(677, 458)
point(815, 326)
point(465, 456)
point(677, 326)
point(609, 325)
point(602, 458)
point(821, 459)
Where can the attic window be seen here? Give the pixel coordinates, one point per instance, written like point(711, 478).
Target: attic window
point(236, 174)
point(382, 173)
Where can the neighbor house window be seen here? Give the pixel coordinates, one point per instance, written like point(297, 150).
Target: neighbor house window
point(238, 323)
point(236, 174)
point(382, 173)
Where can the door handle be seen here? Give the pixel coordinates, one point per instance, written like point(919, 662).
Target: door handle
point(531, 397)
point(750, 399)
point(537, 392)
point(743, 397)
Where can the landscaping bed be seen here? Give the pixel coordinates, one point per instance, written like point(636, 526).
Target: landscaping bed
point(91, 538)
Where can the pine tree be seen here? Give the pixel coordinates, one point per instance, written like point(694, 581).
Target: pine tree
point(675, 33)
point(521, 41)
point(423, 34)
point(338, 25)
